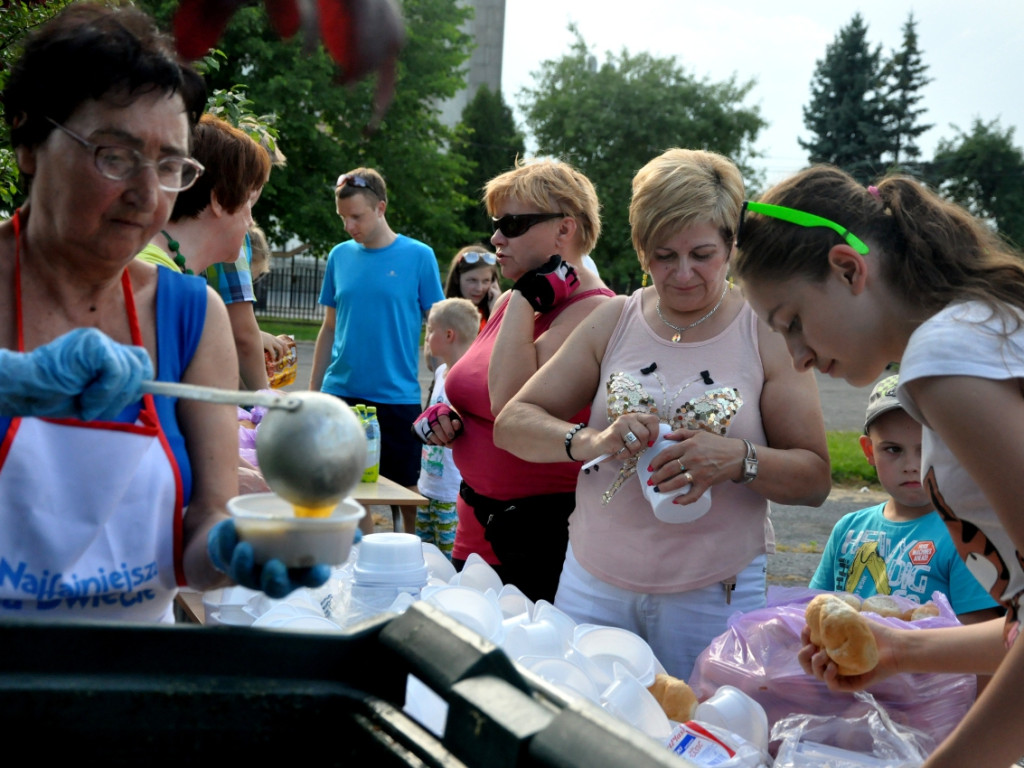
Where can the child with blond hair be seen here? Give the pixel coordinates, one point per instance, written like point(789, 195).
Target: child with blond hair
point(452, 325)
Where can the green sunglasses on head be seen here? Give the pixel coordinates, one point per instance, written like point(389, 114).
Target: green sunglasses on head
point(801, 219)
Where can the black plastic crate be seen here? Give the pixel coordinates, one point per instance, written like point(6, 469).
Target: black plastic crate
point(118, 694)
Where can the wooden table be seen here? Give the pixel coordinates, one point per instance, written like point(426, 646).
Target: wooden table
point(384, 492)
point(387, 492)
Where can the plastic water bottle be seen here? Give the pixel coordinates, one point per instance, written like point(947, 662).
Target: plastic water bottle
point(372, 469)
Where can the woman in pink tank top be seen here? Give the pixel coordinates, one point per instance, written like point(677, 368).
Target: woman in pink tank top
point(687, 356)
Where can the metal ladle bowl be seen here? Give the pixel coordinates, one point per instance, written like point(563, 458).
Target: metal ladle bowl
point(311, 447)
point(314, 455)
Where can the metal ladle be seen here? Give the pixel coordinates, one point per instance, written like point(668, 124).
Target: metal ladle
point(311, 446)
point(224, 396)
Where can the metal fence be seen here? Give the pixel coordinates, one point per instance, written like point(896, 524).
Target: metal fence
point(291, 288)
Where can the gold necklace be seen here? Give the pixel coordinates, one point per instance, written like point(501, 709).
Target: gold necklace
point(679, 331)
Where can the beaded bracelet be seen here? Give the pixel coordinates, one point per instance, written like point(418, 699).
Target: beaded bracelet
point(568, 440)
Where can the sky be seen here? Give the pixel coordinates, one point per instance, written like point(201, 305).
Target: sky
point(974, 52)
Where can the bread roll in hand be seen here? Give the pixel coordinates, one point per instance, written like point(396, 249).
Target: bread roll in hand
point(843, 633)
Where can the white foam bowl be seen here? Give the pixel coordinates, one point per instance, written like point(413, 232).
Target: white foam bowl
point(268, 523)
point(563, 674)
point(665, 509)
point(478, 611)
point(390, 559)
point(607, 646)
point(732, 709)
point(629, 700)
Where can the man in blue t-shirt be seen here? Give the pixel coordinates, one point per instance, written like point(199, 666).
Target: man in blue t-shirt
point(378, 288)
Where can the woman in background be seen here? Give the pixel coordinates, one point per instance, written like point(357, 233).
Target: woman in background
point(473, 275)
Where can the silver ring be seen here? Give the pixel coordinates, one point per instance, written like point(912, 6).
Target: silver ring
point(630, 438)
point(682, 467)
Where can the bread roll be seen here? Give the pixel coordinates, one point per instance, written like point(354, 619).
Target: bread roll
point(843, 633)
point(850, 599)
point(812, 614)
point(925, 611)
point(676, 698)
point(883, 605)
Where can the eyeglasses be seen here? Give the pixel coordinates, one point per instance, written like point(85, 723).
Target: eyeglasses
point(173, 173)
point(801, 219)
point(513, 225)
point(474, 257)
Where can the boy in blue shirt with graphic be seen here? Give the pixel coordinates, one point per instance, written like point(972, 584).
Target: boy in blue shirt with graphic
point(899, 547)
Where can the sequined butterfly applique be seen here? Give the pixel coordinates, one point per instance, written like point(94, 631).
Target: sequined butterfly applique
point(711, 411)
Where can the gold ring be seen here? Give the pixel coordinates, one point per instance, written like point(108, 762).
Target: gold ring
point(688, 477)
point(682, 467)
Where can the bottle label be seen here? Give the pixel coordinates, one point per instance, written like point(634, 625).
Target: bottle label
point(698, 745)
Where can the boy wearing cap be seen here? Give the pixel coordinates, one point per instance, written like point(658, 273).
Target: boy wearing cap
point(901, 546)
point(378, 288)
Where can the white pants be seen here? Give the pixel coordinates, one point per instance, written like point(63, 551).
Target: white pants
point(677, 625)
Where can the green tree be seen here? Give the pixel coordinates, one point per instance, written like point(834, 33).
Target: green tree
point(846, 114)
point(487, 137)
point(904, 75)
point(609, 121)
point(16, 20)
point(984, 171)
point(321, 126)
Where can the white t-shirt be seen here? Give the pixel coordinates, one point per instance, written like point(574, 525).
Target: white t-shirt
point(962, 340)
point(439, 477)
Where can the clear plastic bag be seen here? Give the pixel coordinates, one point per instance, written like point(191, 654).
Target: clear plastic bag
point(758, 655)
point(865, 741)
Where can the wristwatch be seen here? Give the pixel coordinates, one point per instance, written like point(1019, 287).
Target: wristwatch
point(749, 463)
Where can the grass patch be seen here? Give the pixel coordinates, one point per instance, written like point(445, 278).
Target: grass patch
point(849, 467)
point(807, 548)
point(302, 330)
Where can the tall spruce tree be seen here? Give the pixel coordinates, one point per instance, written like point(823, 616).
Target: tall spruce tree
point(904, 76)
point(847, 109)
point(488, 138)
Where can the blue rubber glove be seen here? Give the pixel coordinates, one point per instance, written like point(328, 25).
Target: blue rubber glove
point(84, 374)
point(235, 558)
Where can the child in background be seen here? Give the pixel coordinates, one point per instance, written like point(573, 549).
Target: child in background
point(452, 325)
point(901, 546)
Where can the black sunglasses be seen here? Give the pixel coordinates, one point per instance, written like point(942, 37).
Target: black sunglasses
point(515, 224)
point(474, 257)
point(351, 180)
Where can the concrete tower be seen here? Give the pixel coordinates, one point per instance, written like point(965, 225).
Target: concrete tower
point(487, 28)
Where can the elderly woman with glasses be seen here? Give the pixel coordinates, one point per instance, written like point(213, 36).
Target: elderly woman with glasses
point(473, 275)
point(513, 513)
point(684, 358)
point(105, 519)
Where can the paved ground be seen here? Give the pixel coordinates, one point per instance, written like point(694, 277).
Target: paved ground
point(800, 532)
